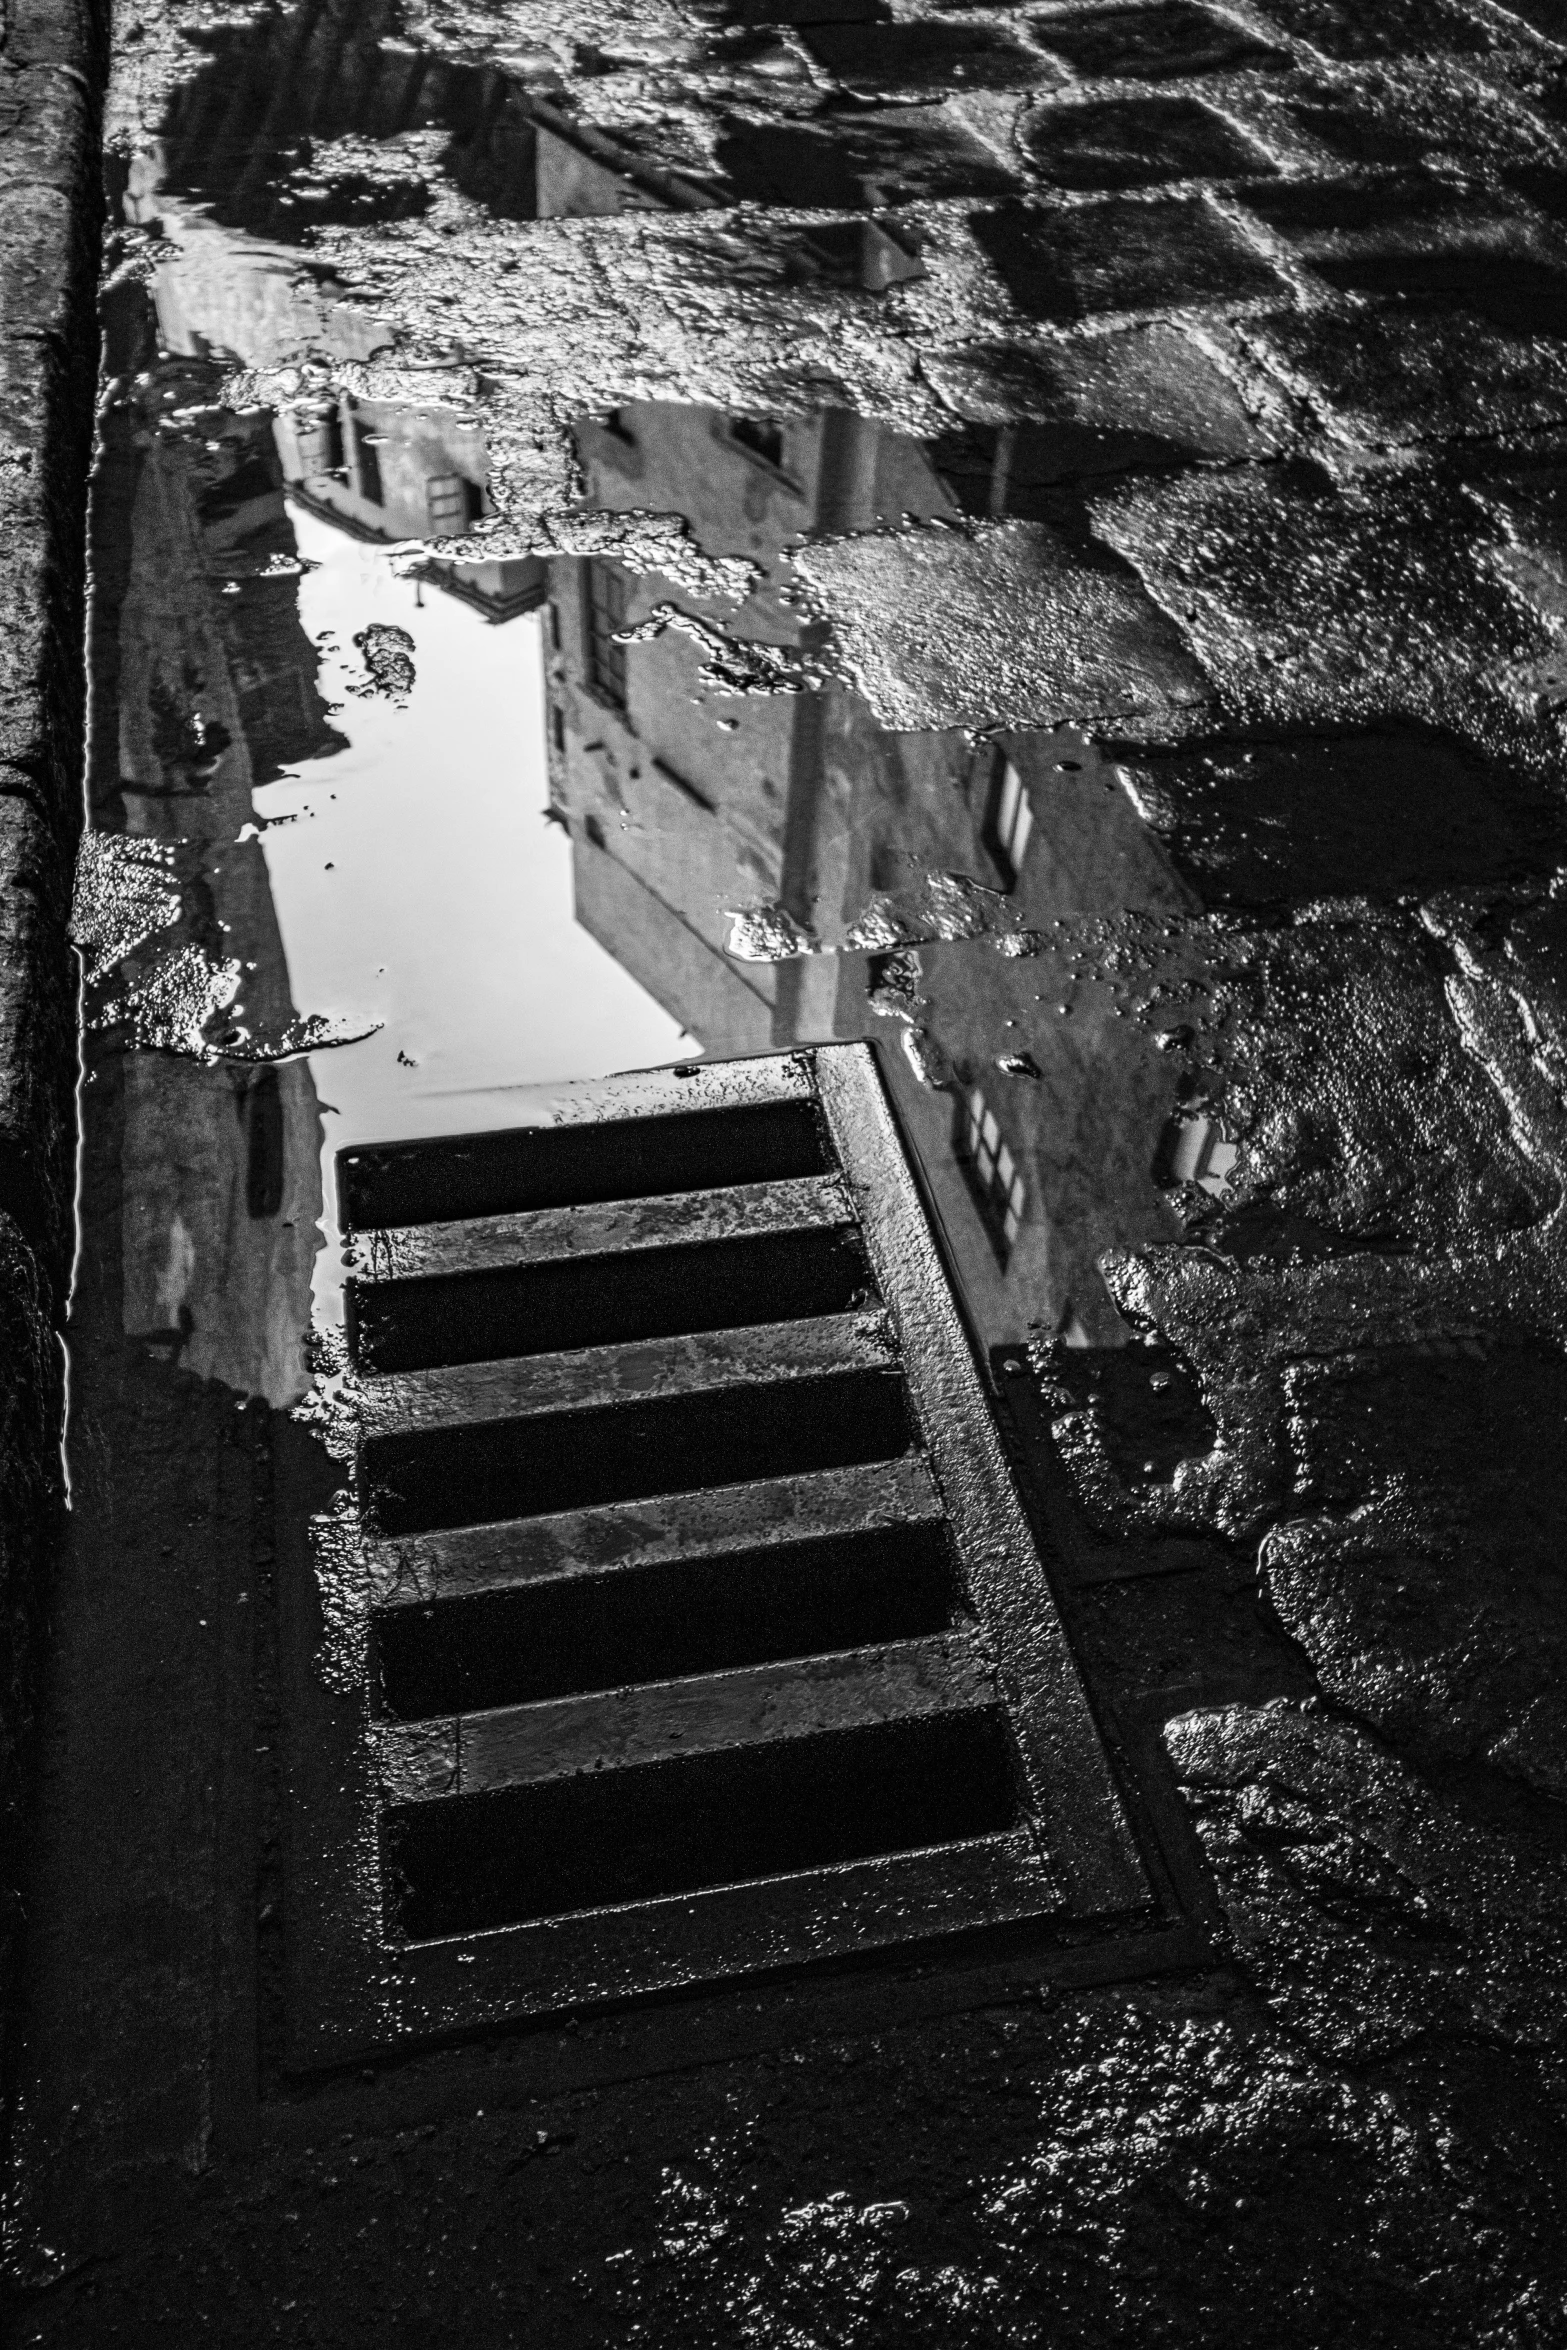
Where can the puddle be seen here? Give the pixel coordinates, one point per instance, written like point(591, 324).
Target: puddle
point(301, 120)
point(893, 58)
point(319, 778)
point(759, 725)
point(297, 123)
point(409, 841)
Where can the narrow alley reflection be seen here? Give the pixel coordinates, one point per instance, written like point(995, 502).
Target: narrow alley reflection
point(208, 690)
point(279, 884)
point(765, 860)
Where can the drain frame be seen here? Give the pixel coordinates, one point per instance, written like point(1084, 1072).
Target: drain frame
point(1067, 1860)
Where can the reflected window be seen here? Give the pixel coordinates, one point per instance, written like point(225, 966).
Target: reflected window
point(452, 502)
point(1010, 821)
point(319, 440)
point(367, 457)
point(760, 437)
point(262, 1110)
point(608, 598)
point(1193, 1150)
point(994, 1175)
point(612, 442)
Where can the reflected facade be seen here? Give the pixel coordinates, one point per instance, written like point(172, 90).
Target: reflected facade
point(202, 1109)
point(911, 868)
point(207, 689)
point(771, 866)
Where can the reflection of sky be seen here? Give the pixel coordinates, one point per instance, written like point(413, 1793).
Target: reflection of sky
point(422, 887)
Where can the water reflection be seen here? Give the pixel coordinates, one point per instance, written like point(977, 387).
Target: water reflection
point(389, 473)
point(923, 888)
point(418, 885)
point(207, 689)
point(317, 786)
point(348, 741)
point(324, 114)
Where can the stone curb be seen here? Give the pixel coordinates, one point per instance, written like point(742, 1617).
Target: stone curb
point(52, 64)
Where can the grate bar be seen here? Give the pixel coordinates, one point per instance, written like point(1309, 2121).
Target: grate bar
point(487, 1244)
point(896, 1898)
point(413, 1403)
point(465, 1561)
point(475, 1754)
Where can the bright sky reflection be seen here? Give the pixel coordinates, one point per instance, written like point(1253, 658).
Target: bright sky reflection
point(420, 884)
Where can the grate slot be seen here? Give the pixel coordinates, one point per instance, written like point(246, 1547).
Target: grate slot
point(530, 1167)
point(470, 1473)
point(575, 1633)
point(608, 1837)
point(606, 1300)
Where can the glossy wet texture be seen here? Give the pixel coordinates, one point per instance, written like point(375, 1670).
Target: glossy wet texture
point(1034, 537)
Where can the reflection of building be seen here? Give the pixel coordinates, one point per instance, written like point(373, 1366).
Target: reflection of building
point(1044, 1150)
point(246, 132)
point(216, 693)
point(378, 470)
point(683, 804)
point(242, 133)
point(679, 816)
point(391, 473)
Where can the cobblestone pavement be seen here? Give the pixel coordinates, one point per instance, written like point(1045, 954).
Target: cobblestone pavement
point(1163, 407)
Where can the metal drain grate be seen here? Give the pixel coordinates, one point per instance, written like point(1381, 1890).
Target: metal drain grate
point(699, 1628)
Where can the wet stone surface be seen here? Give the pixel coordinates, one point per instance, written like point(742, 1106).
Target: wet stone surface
point(1034, 537)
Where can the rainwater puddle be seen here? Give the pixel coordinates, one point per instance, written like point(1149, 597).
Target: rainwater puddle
point(391, 844)
point(291, 125)
point(320, 809)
